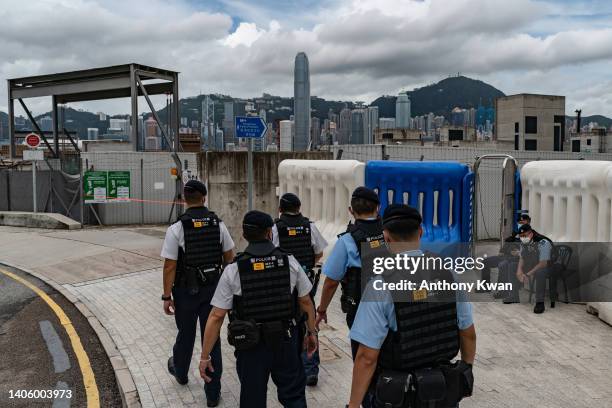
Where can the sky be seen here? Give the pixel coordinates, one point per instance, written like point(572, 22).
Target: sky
point(358, 49)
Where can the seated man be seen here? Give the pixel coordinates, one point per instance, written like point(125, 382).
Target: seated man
point(507, 260)
point(535, 260)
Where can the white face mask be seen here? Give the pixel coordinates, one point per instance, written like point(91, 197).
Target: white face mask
point(525, 240)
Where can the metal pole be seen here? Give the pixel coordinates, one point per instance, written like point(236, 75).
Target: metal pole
point(34, 185)
point(141, 191)
point(81, 198)
point(250, 173)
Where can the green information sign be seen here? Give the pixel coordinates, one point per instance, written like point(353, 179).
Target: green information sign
point(106, 186)
point(119, 185)
point(94, 186)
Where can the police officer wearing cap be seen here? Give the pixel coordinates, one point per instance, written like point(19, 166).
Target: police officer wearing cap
point(262, 290)
point(536, 256)
point(195, 249)
point(343, 265)
point(301, 238)
point(410, 337)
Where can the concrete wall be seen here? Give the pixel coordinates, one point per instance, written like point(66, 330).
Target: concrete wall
point(226, 175)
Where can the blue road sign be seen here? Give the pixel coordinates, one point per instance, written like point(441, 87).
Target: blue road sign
point(250, 127)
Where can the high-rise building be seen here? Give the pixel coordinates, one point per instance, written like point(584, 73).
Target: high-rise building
point(301, 102)
point(344, 126)
point(46, 124)
point(119, 124)
point(315, 131)
point(358, 126)
point(286, 135)
point(371, 123)
point(92, 133)
point(151, 129)
point(402, 111)
point(386, 123)
point(101, 116)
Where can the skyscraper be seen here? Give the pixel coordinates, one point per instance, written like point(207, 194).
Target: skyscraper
point(402, 111)
point(344, 126)
point(315, 131)
point(301, 102)
point(358, 126)
point(371, 124)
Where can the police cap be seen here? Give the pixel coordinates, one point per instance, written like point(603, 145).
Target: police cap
point(196, 185)
point(290, 199)
point(257, 220)
point(395, 212)
point(525, 217)
point(366, 194)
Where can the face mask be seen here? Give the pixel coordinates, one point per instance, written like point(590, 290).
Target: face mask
point(525, 240)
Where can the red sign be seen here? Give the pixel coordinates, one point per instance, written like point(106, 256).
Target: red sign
point(32, 140)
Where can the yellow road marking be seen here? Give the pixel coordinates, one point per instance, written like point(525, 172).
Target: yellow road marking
point(89, 380)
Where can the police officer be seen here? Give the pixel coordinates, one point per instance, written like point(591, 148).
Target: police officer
point(301, 238)
point(260, 289)
point(195, 249)
point(408, 336)
point(343, 265)
point(535, 259)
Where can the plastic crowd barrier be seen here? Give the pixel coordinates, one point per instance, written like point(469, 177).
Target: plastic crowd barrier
point(571, 201)
point(442, 191)
point(324, 188)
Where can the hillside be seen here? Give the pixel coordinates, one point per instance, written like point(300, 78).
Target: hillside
point(600, 119)
point(442, 97)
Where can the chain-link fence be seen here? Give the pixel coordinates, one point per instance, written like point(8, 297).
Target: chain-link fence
point(150, 181)
point(488, 199)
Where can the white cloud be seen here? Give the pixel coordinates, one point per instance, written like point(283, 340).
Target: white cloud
point(357, 50)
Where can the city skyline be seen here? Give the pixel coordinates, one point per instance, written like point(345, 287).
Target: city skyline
point(548, 47)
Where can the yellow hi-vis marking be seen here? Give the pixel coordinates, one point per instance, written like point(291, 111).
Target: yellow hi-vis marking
point(89, 380)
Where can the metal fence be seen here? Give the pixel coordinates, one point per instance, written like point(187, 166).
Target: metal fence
point(152, 186)
point(488, 200)
point(57, 187)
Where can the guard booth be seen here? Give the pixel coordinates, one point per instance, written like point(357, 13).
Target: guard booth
point(441, 191)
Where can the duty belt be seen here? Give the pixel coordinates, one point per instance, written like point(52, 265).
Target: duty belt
point(205, 275)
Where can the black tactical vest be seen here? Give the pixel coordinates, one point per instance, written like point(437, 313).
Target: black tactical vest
point(203, 248)
point(427, 330)
point(531, 251)
point(294, 236)
point(265, 283)
point(369, 232)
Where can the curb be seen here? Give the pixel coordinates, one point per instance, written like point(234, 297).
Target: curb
point(123, 376)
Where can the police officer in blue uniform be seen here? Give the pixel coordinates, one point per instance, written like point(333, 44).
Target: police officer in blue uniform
point(343, 265)
point(262, 290)
point(195, 249)
point(300, 237)
point(413, 337)
point(536, 257)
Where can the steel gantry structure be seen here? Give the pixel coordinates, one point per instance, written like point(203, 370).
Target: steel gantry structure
point(119, 81)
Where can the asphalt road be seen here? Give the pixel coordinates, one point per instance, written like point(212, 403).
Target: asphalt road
point(36, 353)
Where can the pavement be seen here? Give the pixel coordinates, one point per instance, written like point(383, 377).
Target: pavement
point(37, 352)
point(562, 358)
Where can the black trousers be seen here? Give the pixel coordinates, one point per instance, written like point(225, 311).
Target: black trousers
point(189, 309)
point(284, 364)
point(350, 318)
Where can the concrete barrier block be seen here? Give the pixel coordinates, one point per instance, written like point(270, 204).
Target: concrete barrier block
point(37, 220)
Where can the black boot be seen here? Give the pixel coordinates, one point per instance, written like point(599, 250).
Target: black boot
point(539, 308)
